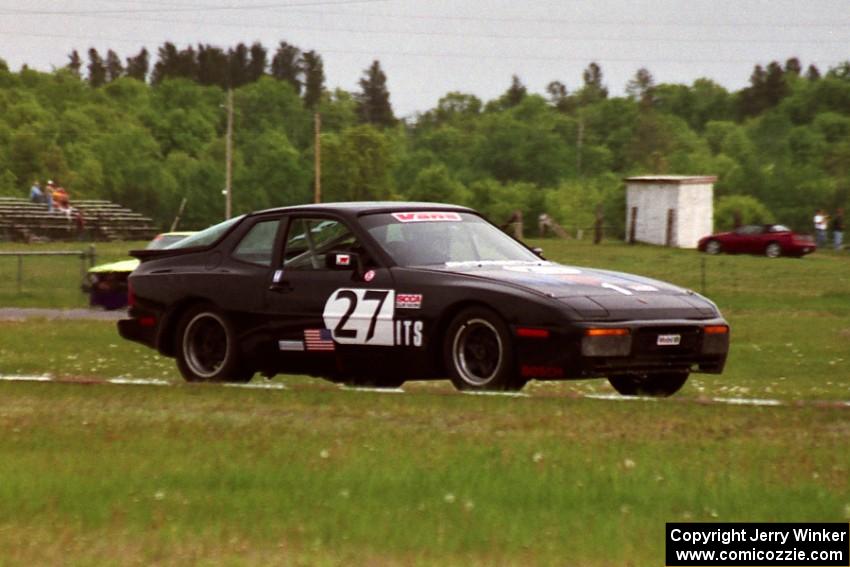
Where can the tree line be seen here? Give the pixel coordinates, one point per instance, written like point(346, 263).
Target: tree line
point(147, 134)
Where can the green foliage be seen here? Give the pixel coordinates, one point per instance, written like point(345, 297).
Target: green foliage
point(435, 183)
point(740, 210)
point(784, 140)
point(357, 165)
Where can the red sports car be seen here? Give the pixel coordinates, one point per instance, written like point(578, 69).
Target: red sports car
point(772, 240)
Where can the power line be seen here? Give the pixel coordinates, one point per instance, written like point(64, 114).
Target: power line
point(496, 36)
point(456, 55)
point(182, 8)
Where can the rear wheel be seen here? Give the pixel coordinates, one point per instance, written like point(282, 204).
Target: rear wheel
point(207, 349)
point(478, 352)
point(773, 250)
point(658, 385)
point(713, 247)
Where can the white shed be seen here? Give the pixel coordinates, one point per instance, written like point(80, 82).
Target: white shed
point(669, 210)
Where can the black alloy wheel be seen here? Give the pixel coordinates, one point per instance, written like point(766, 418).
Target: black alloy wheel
point(207, 350)
point(478, 352)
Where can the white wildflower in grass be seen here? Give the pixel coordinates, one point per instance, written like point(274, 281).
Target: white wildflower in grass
point(344, 493)
point(324, 453)
point(449, 498)
point(468, 505)
point(713, 514)
point(537, 457)
point(629, 464)
point(624, 509)
point(659, 478)
point(847, 511)
point(159, 495)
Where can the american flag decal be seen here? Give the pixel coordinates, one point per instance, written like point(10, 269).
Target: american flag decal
point(318, 339)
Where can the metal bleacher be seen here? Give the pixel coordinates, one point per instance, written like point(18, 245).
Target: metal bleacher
point(22, 220)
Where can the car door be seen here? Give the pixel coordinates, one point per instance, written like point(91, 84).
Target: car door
point(741, 240)
point(237, 272)
point(328, 298)
point(760, 240)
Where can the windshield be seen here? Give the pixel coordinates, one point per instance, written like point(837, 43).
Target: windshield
point(206, 236)
point(428, 238)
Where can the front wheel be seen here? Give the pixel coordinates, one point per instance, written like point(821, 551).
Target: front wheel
point(773, 250)
point(207, 349)
point(658, 385)
point(478, 352)
point(713, 247)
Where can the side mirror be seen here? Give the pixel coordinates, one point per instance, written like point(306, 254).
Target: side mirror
point(342, 260)
point(538, 251)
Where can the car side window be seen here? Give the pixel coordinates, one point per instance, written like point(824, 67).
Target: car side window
point(257, 246)
point(310, 240)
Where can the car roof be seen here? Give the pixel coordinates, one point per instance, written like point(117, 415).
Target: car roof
point(358, 208)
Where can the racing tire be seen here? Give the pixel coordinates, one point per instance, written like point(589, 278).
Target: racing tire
point(478, 352)
point(713, 247)
point(773, 250)
point(656, 385)
point(207, 349)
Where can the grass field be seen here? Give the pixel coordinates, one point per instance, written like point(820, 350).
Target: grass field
point(316, 475)
point(52, 281)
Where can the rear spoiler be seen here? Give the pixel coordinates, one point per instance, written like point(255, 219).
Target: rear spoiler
point(144, 255)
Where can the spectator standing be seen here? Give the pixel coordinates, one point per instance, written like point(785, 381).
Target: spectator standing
point(820, 221)
point(36, 195)
point(838, 229)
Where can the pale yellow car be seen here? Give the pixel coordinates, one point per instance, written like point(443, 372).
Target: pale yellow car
point(106, 284)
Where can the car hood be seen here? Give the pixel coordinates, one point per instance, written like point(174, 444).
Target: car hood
point(121, 266)
point(593, 293)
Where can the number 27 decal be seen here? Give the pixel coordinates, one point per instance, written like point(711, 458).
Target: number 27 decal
point(361, 316)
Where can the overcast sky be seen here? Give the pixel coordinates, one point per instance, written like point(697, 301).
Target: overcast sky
point(430, 47)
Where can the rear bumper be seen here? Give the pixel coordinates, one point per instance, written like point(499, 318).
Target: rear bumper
point(134, 330)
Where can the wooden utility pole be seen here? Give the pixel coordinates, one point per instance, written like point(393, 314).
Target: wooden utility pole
point(579, 142)
point(228, 174)
point(179, 215)
point(317, 197)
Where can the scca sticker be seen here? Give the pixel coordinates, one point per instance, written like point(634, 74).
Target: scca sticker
point(408, 301)
point(424, 216)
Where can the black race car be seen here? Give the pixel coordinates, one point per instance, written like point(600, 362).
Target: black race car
point(380, 293)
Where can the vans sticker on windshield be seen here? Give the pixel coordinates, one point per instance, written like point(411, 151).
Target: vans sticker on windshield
point(427, 217)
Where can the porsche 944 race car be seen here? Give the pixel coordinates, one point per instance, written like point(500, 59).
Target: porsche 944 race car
point(380, 293)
